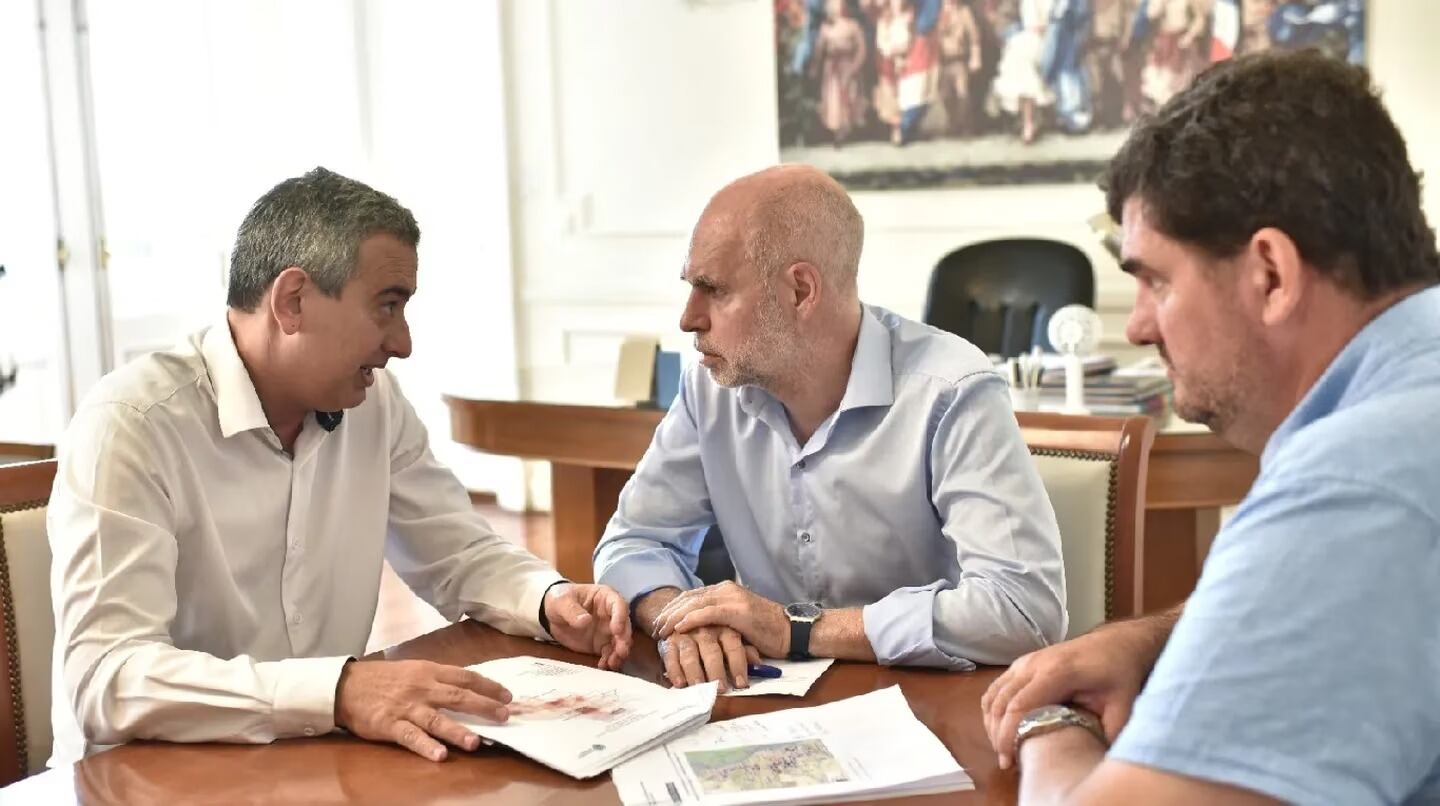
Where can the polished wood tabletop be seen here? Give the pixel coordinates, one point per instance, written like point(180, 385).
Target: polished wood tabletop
point(342, 769)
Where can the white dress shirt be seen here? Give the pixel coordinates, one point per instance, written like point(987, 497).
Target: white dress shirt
point(208, 586)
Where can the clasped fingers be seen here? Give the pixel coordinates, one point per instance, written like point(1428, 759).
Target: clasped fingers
point(730, 598)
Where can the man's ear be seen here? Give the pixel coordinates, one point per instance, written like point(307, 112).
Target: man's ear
point(1277, 274)
point(286, 297)
point(804, 286)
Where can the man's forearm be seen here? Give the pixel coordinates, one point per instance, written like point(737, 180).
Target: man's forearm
point(1053, 765)
point(1150, 632)
point(841, 634)
point(647, 608)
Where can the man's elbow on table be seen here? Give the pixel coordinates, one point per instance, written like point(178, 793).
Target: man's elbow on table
point(97, 713)
point(1021, 627)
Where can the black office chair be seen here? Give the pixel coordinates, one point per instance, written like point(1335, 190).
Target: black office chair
point(715, 565)
point(1000, 294)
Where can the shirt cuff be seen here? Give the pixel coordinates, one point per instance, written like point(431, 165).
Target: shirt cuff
point(545, 633)
point(636, 576)
point(304, 700)
point(533, 598)
point(901, 629)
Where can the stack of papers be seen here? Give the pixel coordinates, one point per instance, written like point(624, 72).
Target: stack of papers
point(582, 721)
point(823, 754)
point(796, 678)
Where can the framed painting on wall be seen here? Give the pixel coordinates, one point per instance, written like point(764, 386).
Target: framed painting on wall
point(935, 93)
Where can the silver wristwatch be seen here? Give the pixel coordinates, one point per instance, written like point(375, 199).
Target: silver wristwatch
point(1049, 718)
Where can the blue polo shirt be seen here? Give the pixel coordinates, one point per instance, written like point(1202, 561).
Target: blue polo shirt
point(1307, 663)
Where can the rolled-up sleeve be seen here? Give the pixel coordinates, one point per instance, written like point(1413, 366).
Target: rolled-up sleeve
point(654, 538)
point(445, 551)
point(1010, 596)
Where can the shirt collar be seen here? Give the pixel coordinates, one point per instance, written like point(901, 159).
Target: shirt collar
point(872, 382)
point(236, 401)
point(1364, 365)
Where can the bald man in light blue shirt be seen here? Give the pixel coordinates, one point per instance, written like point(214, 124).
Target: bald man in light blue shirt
point(866, 471)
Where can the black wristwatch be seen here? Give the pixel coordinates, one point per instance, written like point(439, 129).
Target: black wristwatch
point(544, 619)
point(803, 616)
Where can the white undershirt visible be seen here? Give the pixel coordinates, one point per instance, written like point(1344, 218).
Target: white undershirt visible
point(209, 587)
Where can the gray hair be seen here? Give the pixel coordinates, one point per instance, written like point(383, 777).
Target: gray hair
point(806, 216)
point(315, 222)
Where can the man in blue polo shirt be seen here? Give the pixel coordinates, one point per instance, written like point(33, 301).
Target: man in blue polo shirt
point(1287, 275)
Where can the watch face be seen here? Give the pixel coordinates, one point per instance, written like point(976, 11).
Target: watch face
point(804, 611)
point(1046, 714)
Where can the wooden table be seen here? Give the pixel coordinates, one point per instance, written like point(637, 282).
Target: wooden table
point(342, 769)
point(592, 450)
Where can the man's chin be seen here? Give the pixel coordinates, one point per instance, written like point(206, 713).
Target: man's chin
point(723, 377)
point(349, 400)
point(1192, 412)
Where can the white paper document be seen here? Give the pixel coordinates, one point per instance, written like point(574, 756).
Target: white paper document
point(870, 746)
point(796, 678)
point(53, 787)
point(581, 720)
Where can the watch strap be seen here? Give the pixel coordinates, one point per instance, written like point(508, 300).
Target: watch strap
point(800, 639)
point(1055, 718)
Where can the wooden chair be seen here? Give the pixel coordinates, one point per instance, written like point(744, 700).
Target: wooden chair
point(12, 452)
point(1094, 470)
point(26, 618)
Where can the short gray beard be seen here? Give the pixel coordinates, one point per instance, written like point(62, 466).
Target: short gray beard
point(768, 358)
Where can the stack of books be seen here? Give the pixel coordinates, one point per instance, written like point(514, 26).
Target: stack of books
point(1108, 391)
point(1053, 368)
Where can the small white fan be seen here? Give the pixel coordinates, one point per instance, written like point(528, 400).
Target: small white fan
point(1074, 332)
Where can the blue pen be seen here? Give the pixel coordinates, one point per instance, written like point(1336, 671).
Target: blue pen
point(762, 671)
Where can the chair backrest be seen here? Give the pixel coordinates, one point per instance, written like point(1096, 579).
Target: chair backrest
point(13, 452)
point(1094, 471)
point(26, 618)
point(1000, 294)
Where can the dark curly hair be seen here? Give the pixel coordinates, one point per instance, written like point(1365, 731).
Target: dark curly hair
point(1292, 140)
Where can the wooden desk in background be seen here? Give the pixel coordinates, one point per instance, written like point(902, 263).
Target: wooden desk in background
point(592, 450)
point(342, 769)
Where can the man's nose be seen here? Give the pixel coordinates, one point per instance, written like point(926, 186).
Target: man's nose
point(694, 319)
point(397, 341)
point(1140, 327)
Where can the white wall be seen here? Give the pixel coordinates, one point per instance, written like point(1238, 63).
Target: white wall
point(434, 111)
point(625, 116)
point(1405, 61)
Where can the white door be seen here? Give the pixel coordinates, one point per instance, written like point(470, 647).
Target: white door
point(36, 407)
point(199, 107)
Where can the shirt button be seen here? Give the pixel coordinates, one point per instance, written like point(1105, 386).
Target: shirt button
point(801, 464)
point(295, 619)
point(804, 537)
point(309, 731)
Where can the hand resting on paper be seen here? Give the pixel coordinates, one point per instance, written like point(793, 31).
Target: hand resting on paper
point(401, 702)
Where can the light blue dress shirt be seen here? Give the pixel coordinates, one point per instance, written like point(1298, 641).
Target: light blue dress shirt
point(917, 499)
point(1307, 663)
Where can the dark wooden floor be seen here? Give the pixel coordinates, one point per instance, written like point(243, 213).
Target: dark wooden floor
point(402, 616)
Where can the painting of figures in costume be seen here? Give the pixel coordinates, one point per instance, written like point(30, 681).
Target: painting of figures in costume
point(934, 93)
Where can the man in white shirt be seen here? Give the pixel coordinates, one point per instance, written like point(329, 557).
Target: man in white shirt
point(222, 510)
